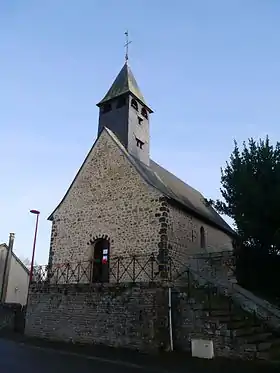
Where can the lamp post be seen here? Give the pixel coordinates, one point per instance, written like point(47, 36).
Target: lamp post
point(37, 213)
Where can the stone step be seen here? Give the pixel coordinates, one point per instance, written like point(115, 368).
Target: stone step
point(273, 354)
point(268, 346)
point(249, 348)
point(219, 312)
point(224, 319)
point(264, 346)
point(257, 338)
point(247, 330)
point(209, 304)
point(242, 324)
point(220, 321)
point(266, 356)
point(273, 343)
point(262, 355)
point(217, 306)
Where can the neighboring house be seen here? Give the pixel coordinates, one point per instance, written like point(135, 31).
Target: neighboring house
point(121, 202)
point(14, 277)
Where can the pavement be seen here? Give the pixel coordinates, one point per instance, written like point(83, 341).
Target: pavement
point(19, 355)
point(17, 358)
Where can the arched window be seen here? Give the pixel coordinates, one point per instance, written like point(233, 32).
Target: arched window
point(134, 104)
point(106, 107)
point(144, 113)
point(121, 102)
point(100, 263)
point(202, 238)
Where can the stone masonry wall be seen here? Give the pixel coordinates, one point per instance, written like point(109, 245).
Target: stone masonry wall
point(192, 320)
point(132, 317)
point(184, 235)
point(189, 322)
point(108, 198)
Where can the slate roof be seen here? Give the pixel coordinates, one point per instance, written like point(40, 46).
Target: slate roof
point(184, 194)
point(176, 189)
point(170, 186)
point(124, 83)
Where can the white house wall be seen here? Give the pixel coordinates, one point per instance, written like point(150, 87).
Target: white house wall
point(17, 284)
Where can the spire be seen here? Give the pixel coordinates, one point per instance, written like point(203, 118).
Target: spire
point(124, 83)
point(126, 46)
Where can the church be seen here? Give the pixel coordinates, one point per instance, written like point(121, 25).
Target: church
point(122, 203)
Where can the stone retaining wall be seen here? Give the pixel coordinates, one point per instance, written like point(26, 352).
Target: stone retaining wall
point(125, 315)
point(114, 315)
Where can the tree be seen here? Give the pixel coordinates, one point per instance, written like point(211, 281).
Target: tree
point(38, 271)
point(251, 192)
point(26, 262)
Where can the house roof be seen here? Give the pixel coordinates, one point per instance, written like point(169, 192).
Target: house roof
point(16, 258)
point(171, 186)
point(124, 83)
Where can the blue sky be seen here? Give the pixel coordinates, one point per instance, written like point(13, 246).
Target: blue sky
point(209, 69)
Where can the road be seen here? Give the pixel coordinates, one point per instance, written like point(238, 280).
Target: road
point(18, 358)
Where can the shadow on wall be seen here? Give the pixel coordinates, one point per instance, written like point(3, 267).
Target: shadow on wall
point(12, 318)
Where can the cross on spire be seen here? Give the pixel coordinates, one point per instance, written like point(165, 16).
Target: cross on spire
point(126, 46)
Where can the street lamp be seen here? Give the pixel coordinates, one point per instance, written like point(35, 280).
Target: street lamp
point(37, 213)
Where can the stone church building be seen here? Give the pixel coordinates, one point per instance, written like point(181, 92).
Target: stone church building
point(122, 203)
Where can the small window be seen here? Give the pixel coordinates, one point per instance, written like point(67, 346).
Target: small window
point(106, 108)
point(140, 120)
point(134, 104)
point(139, 143)
point(202, 238)
point(121, 102)
point(144, 113)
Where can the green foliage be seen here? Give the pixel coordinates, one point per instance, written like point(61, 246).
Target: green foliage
point(251, 192)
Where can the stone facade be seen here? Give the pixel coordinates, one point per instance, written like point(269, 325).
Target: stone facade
point(108, 198)
point(119, 316)
point(184, 235)
point(136, 317)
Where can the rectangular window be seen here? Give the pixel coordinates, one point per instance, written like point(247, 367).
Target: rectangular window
point(139, 143)
point(140, 120)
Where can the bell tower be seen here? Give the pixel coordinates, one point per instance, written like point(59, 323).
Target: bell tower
point(124, 111)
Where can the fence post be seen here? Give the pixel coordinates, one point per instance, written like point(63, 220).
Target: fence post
point(230, 316)
point(79, 271)
point(209, 298)
point(189, 288)
point(67, 272)
point(133, 268)
point(118, 270)
point(152, 260)
point(169, 268)
point(163, 262)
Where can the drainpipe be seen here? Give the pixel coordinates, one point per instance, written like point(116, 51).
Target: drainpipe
point(170, 318)
point(7, 268)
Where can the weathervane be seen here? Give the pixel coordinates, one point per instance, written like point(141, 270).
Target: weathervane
point(126, 46)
